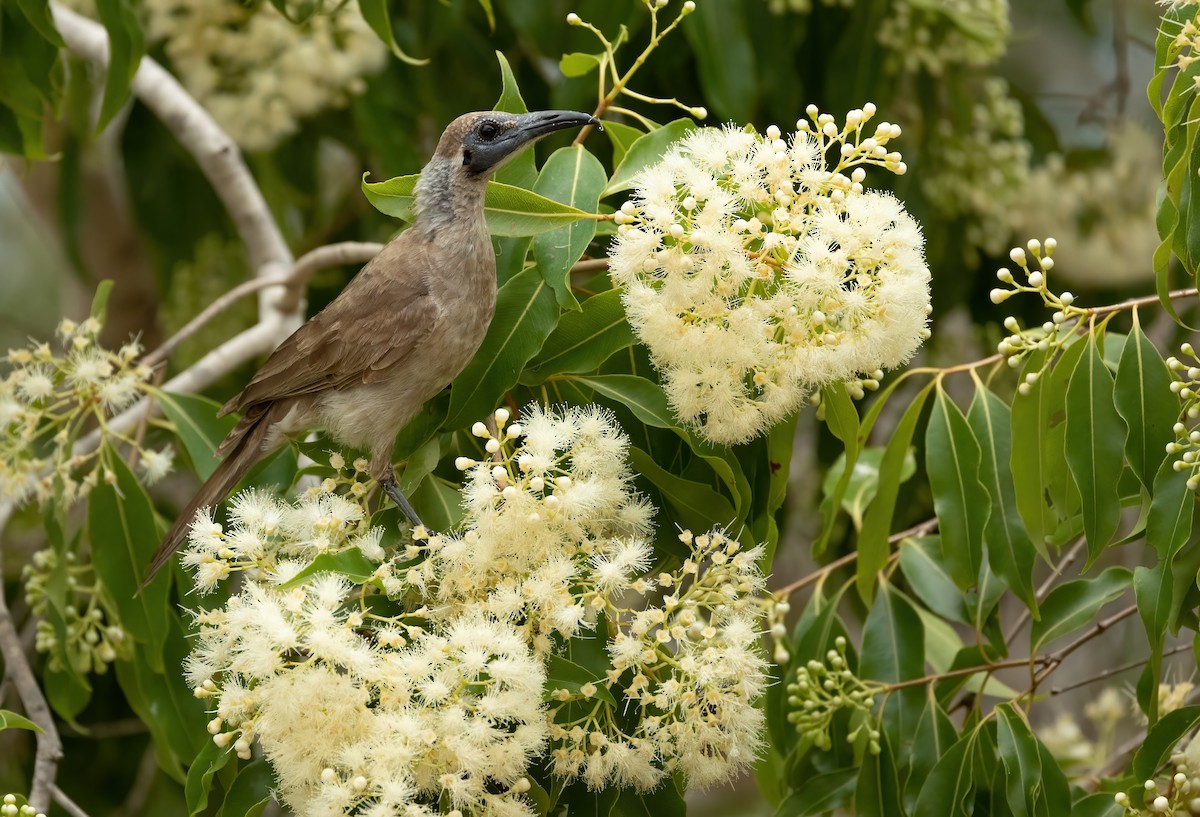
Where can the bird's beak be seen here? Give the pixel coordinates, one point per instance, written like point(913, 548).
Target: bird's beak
point(529, 127)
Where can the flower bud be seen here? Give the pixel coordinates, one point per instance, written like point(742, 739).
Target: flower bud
point(999, 296)
point(573, 19)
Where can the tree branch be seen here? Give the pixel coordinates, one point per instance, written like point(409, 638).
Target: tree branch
point(68, 805)
point(18, 670)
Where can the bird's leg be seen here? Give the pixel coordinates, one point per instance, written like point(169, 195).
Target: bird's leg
point(388, 483)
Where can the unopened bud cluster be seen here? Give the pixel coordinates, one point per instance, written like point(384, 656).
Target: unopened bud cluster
point(1187, 437)
point(822, 689)
point(11, 808)
point(777, 609)
point(1034, 279)
point(608, 59)
point(1176, 799)
point(91, 642)
point(757, 268)
point(47, 399)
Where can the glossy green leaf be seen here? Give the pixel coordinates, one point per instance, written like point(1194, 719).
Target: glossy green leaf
point(647, 150)
point(100, 299)
point(730, 83)
point(1142, 376)
point(37, 12)
point(125, 48)
point(124, 537)
point(11, 720)
point(574, 177)
point(510, 211)
point(350, 563)
point(526, 313)
point(582, 340)
point(212, 759)
point(947, 791)
point(520, 170)
point(562, 673)
point(934, 735)
point(1161, 740)
point(1172, 507)
point(873, 545)
point(1074, 604)
point(924, 566)
point(697, 506)
point(1009, 550)
point(578, 64)
point(841, 417)
point(1100, 804)
point(1022, 761)
point(893, 644)
point(1095, 447)
point(878, 791)
point(622, 137)
point(378, 16)
point(820, 794)
point(1030, 458)
point(198, 427)
point(438, 503)
point(952, 460)
point(1153, 591)
point(250, 792)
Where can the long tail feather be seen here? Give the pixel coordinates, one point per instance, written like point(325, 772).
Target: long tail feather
point(246, 451)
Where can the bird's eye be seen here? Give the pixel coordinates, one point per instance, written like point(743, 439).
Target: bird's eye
point(488, 131)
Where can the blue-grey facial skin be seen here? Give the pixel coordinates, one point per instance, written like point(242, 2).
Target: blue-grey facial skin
point(498, 137)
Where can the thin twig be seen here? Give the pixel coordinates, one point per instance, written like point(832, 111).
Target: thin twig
point(590, 265)
point(955, 673)
point(20, 673)
point(1108, 673)
point(1045, 587)
point(68, 805)
point(330, 255)
point(1053, 661)
point(916, 530)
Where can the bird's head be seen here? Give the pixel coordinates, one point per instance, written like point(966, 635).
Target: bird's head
point(478, 143)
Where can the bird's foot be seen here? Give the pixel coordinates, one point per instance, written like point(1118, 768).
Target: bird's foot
point(389, 486)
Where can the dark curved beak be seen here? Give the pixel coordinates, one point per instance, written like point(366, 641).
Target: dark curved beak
point(528, 129)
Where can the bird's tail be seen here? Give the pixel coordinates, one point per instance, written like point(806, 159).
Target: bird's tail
point(247, 449)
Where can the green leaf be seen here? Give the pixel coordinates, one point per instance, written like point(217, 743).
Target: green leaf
point(574, 177)
point(622, 138)
point(520, 170)
point(1022, 761)
point(647, 150)
point(893, 649)
point(820, 794)
point(578, 64)
point(37, 12)
point(438, 503)
point(841, 417)
point(212, 759)
point(1010, 552)
point(731, 82)
point(1073, 604)
point(878, 792)
point(697, 506)
point(1142, 378)
point(934, 735)
point(1030, 459)
point(510, 211)
point(1095, 447)
point(562, 673)
point(859, 490)
point(377, 15)
point(1100, 804)
point(526, 313)
point(873, 545)
point(125, 48)
point(124, 537)
point(350, 563)
point(948, 788)
point(11, 720)
point(1169, 523)
point(582, 340)
point(100, 299)
point(250, 792)
point(198, 427)
point(1153, 591)
point(952, 459)
point(1161, 740)
point(924, 566)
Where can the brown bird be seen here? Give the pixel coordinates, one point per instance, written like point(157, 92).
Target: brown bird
point(399, 332)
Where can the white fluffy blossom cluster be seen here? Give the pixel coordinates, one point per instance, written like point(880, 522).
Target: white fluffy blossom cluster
point(416, 684)
point(47, 399)
point(1103, 211)
point(359, 710)
point(219, 49)
point(690, 670)
point(754, 272)
point(935, 37)
point(978, 175)
point(552, 526)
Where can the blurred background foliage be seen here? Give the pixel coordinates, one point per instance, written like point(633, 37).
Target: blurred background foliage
point(1019, 119)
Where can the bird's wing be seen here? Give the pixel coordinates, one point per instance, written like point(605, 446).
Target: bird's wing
point(378, 319)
